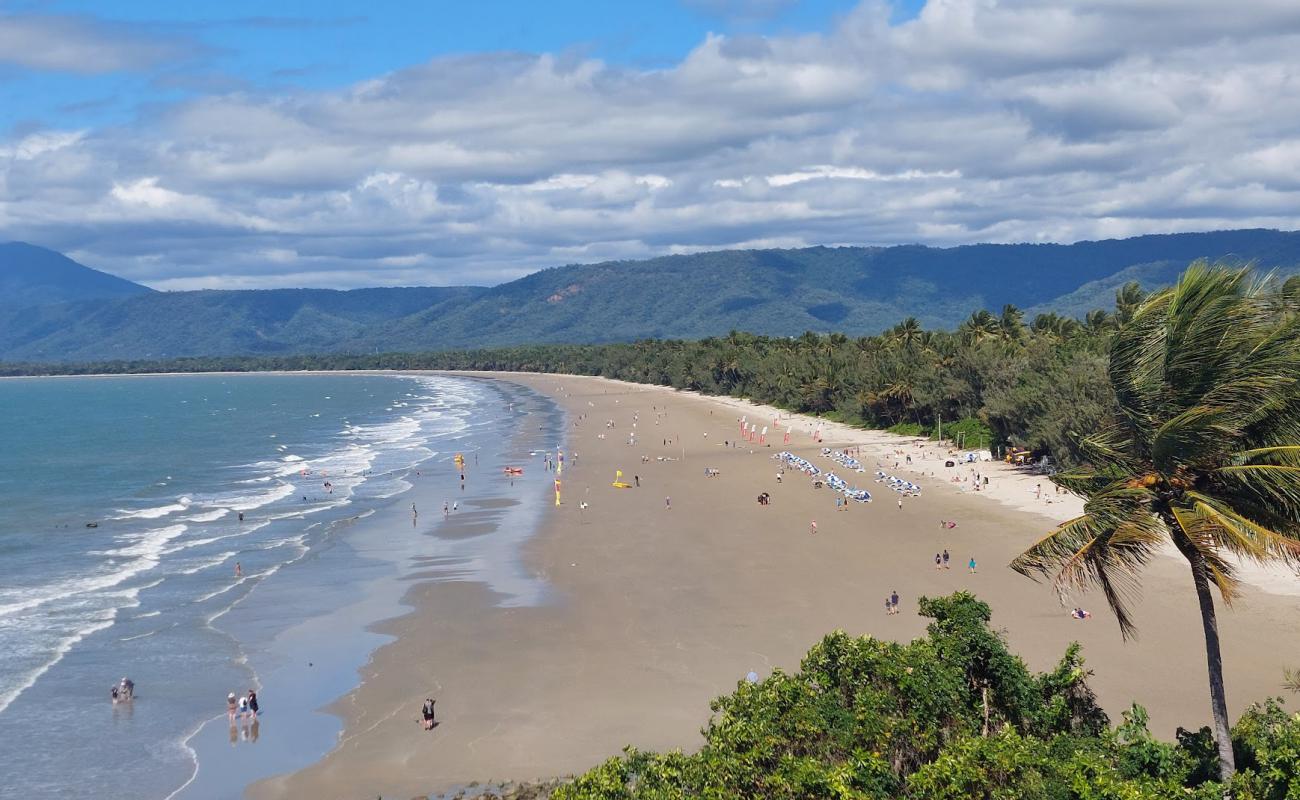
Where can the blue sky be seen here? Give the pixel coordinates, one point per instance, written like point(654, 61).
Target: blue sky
point(260, 46)
point(288, 143)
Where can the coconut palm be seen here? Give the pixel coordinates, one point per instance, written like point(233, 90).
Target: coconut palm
point(1204, 455)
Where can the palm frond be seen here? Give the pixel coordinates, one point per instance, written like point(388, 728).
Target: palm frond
point(1242, 536)
point(1105, 547)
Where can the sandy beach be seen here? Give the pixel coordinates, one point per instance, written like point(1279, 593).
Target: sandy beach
point(655, 607)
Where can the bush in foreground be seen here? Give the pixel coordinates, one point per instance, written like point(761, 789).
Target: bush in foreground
point(951, 715)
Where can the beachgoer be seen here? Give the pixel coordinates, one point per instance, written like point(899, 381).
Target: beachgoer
point(938, 561)
point(636, 479)
point(241, 516)
point(127, 690)
point(889, 607)
point(668, 503)
point(1079, 613)
point(455, 506)
point(446, 509)
point(945, 559)
point(243, 706)
point(231, 705)
point(113, 693)
point(893, 600)
point(900, 504)
point(239, 570)
point(812, 526)
point(971, 565)
point(426, 712)
point(252, 703)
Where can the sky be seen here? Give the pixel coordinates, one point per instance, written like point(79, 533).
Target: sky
point(343, 144)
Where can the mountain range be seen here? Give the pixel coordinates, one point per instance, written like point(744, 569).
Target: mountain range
point(54, 309)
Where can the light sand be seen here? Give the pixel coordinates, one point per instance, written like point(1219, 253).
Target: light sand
point(657, 611)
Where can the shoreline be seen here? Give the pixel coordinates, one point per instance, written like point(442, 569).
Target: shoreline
point(657, 611)
point(320, 644)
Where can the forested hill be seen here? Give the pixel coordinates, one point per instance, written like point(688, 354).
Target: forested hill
point(31, 275)
point(852, 290)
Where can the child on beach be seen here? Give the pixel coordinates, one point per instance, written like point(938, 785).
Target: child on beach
point(971, 565)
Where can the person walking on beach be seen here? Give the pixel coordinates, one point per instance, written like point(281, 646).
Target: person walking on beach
point(239, 570)
point(812, 526)
point(945, 560)
point(668, 503)
point(900, 504)
point(636, 479)
point(971, 565)
point(938, 561)
point(893, 601)
point(889, 606)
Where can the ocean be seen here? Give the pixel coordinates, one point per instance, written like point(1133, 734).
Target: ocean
point(123, 554)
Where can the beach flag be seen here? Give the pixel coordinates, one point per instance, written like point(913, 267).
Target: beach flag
point(762, 437)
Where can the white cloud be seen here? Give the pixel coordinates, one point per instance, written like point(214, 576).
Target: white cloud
point(978, 120)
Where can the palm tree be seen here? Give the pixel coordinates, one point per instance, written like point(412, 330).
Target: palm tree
point(978, 327)
point(1204, 455)
point(1128, 298)
point(1011, 325)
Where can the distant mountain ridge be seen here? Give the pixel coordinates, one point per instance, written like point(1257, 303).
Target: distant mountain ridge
point(853, 290)
point(31, 275)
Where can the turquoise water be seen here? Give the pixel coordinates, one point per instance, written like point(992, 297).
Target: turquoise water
point(162, 467)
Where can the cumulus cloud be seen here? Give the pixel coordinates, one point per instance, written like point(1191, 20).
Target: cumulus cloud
point(975, 121)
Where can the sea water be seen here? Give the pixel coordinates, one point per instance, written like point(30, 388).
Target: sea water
point(120, 532)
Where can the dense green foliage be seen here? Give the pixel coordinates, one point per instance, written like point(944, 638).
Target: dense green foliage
point(950, 716)
point(853, 290)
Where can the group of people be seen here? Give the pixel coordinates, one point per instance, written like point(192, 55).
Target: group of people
point(241, 707)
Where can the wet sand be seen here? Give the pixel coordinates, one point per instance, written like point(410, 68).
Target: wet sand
point(654, 611)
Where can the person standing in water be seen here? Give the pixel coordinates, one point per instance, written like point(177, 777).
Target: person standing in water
point(231, 705)
point(252, 703)
point(239, 570)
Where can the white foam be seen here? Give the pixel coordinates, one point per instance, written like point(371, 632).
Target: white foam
point(209, 516)
point(147, 550)
point(209, 563)
point(27, 681)
point(155, 512)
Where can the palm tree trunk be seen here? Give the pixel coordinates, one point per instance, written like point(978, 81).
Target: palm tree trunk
point(1218, 700)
